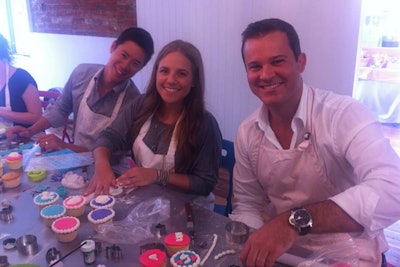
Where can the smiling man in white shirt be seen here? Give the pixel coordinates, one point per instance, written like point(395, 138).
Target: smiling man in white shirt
point(317, 159)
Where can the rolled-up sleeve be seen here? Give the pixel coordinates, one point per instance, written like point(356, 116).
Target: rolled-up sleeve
point(373, 197)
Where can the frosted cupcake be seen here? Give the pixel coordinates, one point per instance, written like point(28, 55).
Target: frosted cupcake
point(153, 258)
point(11, 179)
point(175, 242)
point(46, 198)
point(102, 201)
point(14, 161)
point(75, 205)
point(100, 216)
point(66, 228)
point(185, 258)
point(51, 213)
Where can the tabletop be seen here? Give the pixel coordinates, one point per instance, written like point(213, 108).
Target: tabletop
point(139, 213)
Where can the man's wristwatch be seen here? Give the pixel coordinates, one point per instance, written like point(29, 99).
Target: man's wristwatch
point(301, 220)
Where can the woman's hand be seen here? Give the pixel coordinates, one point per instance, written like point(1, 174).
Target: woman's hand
point(101, 181)
point(137, 176)
point(51, 142)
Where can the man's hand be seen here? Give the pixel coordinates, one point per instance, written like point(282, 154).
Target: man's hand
point(266, 244)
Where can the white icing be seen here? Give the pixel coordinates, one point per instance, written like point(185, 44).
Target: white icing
point(210, 250)
point(102, 199)
point(47, 195)
point(178, 237)
point(14, 154)
point(73, 180)
point(74, 200)
point(153, 257)
point(224, 253)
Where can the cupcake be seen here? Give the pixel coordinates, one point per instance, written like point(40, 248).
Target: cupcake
point(153, 258)
point(14, 161)
point(100, 216)
point(11, 179)
point(176, 242)
point(66, 228)
point(46, 198)
point(185, 258)
point(102, 201)
point(51, 213)
point(75, 205)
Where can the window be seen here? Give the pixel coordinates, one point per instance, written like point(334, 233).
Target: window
point(14, 25)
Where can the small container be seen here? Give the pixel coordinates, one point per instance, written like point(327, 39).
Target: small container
point(27, 245)
point(4, 143)
point(236, 233)
point(89, 251)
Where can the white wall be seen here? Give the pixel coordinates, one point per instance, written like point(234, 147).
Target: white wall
point(328, 33)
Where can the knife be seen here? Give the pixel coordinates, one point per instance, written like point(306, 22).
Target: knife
point(189, 219)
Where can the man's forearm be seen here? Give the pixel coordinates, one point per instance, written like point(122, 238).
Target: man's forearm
point(328, 217)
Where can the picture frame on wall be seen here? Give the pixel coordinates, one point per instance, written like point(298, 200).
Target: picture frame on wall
point(103, 18)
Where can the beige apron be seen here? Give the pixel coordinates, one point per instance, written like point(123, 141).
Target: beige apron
point(297, 177)
point(88, 124)
point(4, 123)
point(146, 158)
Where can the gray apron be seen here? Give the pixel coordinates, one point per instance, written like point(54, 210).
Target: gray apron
point(88, 124)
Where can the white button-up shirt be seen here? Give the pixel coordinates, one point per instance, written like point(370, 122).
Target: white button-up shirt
point(356, 156)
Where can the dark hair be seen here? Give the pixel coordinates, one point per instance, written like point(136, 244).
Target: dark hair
point(5, 51)
point(193, 104)
point(139, 36)
point(263, 27)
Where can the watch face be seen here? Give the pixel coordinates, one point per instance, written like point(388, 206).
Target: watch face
point(301, 218)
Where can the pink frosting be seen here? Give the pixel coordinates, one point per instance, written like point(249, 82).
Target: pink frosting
point(13, 156)
point(153, 258)
point(177, 239)
point(65, 224)
point(74, 202)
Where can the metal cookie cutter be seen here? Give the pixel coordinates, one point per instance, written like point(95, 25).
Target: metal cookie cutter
point(52, 255)
point(27, 245)
point(114, 252)
point(6, 214)
point(9, 243)
point(4, 261)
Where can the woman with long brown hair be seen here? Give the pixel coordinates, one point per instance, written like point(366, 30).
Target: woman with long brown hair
point(174, 140)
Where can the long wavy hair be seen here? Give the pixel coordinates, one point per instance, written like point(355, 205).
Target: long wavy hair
point(193, 103)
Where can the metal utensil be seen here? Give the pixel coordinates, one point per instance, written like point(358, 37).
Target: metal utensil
point(189, 216)
point(189, 221)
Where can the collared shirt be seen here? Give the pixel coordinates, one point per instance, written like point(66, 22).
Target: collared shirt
point(357, 158)
point(73, 92)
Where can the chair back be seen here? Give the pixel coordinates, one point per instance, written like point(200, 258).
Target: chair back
point(227, 162)
point(47, 97)
point(50, 96)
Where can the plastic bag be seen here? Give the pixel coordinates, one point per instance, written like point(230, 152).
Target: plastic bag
point(343, 253)
point(136, 227)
